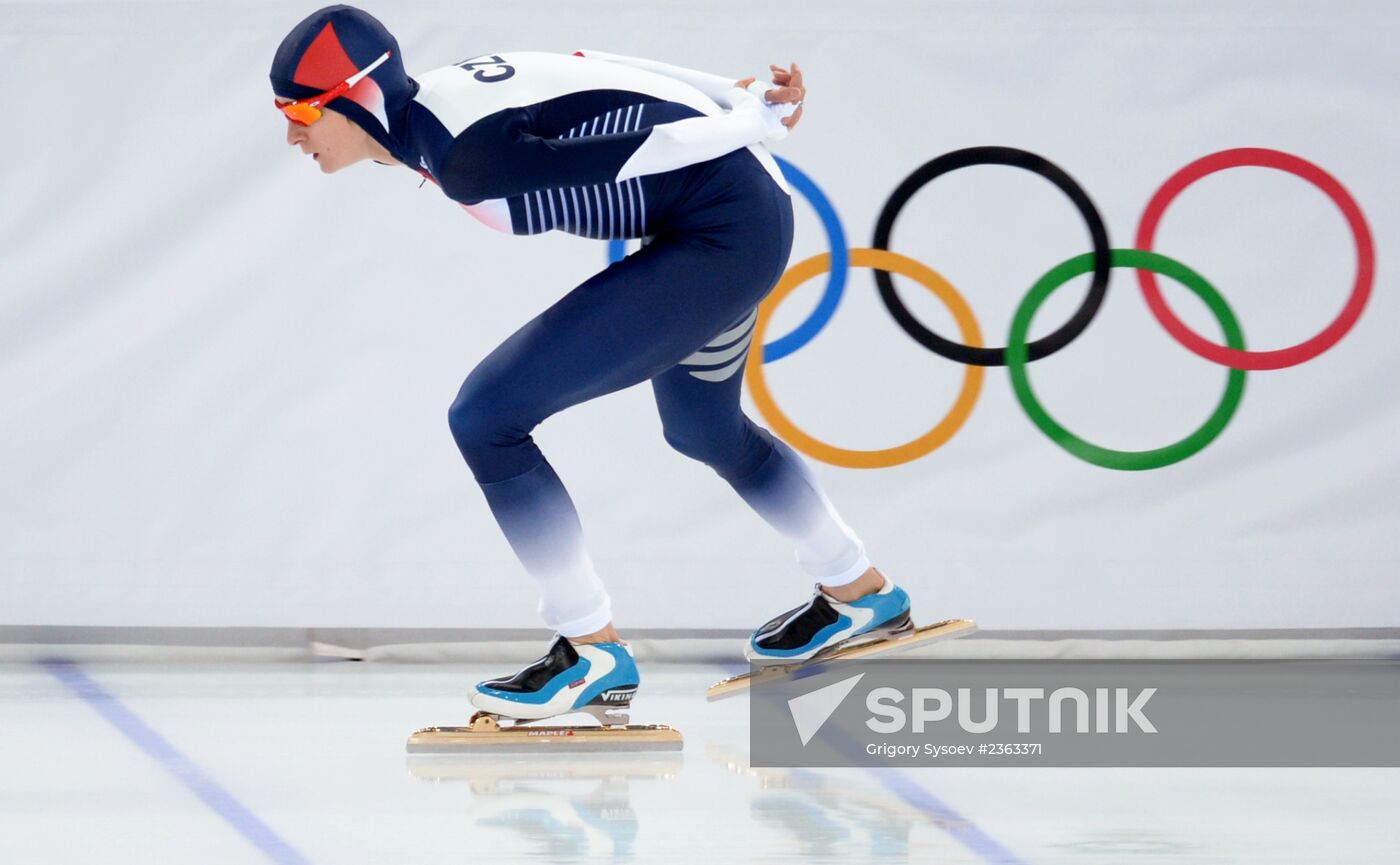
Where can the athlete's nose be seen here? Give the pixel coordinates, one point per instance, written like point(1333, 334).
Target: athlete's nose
point(296, 133)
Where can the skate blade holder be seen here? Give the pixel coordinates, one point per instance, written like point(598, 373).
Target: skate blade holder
point(486, 734)
point(859, 647)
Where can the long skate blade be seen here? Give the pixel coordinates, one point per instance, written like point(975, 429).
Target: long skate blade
point(545, 740)
point(852, 651)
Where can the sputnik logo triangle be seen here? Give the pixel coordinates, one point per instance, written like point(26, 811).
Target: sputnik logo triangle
point(810, 711)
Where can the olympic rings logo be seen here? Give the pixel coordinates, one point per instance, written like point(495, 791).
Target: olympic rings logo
point(1018, 352)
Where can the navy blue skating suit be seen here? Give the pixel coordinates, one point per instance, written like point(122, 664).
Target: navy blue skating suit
point(605, 147)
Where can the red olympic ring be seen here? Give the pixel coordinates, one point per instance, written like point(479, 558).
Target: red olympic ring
point(1263, 158)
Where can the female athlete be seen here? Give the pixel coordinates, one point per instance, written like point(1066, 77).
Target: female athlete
point(605, 147)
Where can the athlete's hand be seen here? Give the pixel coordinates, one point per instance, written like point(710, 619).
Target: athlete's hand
point(788, 89)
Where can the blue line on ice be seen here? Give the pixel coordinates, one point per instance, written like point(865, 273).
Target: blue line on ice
point(185, 771)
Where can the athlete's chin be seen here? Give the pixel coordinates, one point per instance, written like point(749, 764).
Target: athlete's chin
point(328, 164)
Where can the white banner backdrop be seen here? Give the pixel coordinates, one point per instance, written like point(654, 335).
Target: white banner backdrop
point(226, 376)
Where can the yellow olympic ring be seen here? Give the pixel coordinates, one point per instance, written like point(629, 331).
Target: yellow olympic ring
point(892, 262)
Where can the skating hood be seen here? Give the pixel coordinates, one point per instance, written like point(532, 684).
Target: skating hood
point(332, 44)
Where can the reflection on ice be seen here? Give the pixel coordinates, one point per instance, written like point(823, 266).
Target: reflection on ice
point(561, 807)
point(829, 818)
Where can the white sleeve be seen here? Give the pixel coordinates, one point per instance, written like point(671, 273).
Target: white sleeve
point(700, 139)
point(716, 87)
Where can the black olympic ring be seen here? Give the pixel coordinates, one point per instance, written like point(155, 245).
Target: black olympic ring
point(1016, 159)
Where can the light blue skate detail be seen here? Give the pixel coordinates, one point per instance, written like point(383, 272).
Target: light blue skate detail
point(543, 695)
point(623, 675)
point(818, 639)
point(887, 608)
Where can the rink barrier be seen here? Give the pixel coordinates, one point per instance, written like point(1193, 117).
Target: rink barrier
point(22, 643)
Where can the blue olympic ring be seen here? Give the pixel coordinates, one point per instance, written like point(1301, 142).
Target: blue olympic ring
point(836, 277)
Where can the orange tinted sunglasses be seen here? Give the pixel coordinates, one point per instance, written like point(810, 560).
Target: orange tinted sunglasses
point(307, 111)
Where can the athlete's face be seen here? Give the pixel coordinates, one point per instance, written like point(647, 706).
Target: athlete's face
point(333, 141)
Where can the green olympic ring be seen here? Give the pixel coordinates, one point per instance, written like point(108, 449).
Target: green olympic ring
point(1016, 360)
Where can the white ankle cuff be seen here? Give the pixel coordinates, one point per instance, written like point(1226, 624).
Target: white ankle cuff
point(585, 625)
point(847, 575)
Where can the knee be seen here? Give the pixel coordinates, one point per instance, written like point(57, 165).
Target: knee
point(468, 418)
point(483, 422)
point(732, 451)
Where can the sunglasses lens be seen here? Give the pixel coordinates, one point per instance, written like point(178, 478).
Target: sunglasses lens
point(301, 113)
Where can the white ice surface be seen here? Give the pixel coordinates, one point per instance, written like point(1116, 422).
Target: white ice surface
point(316, 753)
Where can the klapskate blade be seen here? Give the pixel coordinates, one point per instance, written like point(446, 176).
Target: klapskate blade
point(865, 649)
point(545, 740)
